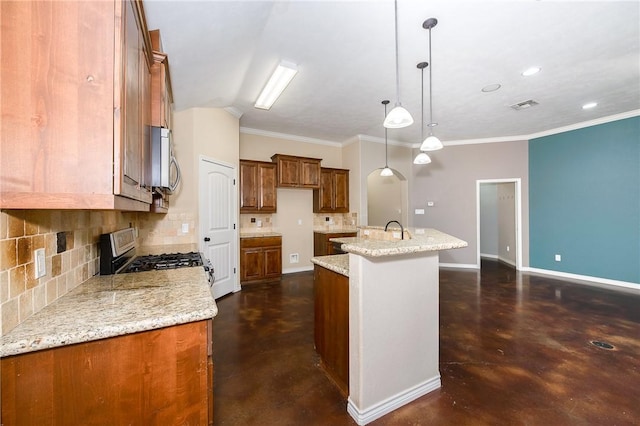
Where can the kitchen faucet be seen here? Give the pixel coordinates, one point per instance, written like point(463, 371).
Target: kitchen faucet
point(401, 228)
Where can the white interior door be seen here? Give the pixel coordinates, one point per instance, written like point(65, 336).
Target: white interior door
point(218, 233)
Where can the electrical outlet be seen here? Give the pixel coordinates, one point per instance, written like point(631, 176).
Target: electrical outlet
point(419, 211)
point(41, 265)
point(293, 258)
point(185, 228)
point(507, 248)
point(259, 223)
point(558, 258)
point(431, 203)
point(299, 221)
point(419, 231)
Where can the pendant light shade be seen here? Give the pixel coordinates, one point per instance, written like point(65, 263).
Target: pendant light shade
point(386, 171)
point(422, 158)
point(431, 143)
point(398, 117)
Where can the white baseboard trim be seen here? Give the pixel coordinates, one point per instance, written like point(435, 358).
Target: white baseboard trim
point(489, 256)
point(602, 282)
point(298, 269)
point(459, 265)
point(392, 403)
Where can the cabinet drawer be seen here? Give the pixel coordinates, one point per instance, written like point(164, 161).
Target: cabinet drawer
point(260, 242)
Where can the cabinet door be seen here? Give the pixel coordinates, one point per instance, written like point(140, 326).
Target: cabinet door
point(251, 264)
point(326, 193)
point(309, 173)
point(288, 172)
point(341, 191)
point(248, 187)
point(267, 200)
point(132, 107)
point(272, 262)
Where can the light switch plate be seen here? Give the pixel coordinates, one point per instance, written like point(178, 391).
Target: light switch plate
point(185, 228)
point(419, 211)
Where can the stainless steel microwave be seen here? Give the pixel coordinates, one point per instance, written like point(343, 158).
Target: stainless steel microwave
point(165, 171)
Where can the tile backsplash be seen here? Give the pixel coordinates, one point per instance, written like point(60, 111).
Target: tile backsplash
point(328, 221)
point(23, 231)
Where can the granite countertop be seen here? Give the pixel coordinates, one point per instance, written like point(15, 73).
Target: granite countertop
point(336, 262)
point(423, 239)
point(335, 231)
point(112, 305)
point(257, 234)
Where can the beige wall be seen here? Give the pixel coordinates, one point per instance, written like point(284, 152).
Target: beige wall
point(295, 218)
point(210, 132)
point(450, 181)
point(351, 161)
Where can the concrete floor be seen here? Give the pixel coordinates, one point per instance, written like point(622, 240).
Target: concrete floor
point(515, 349)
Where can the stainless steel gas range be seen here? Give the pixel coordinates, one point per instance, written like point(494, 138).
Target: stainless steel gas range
point(118, 256)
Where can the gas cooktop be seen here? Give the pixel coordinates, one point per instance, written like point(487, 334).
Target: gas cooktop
point(164, 261)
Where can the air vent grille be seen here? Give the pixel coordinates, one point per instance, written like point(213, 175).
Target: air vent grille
point(524, 105)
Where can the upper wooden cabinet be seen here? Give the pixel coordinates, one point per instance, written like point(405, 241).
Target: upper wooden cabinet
point(75, 105)
point(257, 187)
point(161, 92)
point(297, 172)
point(333, 194)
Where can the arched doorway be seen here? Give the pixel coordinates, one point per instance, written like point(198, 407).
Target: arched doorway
point(387, 198)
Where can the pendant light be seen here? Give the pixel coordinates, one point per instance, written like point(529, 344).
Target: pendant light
point(386, 171)
point(431, 143)
point(422, 157)
point(398, 117)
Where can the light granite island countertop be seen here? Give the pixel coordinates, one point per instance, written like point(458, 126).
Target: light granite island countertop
point(338, 263)
point(422, 239)
point(112, 305)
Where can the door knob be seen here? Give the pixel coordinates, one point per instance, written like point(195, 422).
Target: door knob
point(207, 239)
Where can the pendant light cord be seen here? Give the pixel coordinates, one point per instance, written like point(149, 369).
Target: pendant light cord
point(422, 103)
point(397, 67)
point(430, 88)
point(386, 162)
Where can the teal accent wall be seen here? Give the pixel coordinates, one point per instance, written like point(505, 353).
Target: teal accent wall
point(584, 201)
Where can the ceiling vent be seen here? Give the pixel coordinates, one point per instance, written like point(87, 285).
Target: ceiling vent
point(524, 105)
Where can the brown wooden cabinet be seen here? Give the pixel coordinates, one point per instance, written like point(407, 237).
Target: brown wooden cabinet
point(75, 105)
point(331, 324)
point(297, 172)
point(258, 187)
point(321, 244)
point(161, 92)
point(161, 377)
point(333, 194)
point(260, 259)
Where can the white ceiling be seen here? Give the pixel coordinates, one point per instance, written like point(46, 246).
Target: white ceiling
point(221, 54)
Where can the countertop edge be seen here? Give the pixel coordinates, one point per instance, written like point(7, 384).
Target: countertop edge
point(335, 263)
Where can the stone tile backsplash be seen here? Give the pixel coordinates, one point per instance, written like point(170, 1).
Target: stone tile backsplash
point(328, 221)
point(23, 231)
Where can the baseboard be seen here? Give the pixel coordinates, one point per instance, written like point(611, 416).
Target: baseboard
point(392, 403)
point(459, 265)
point(489, 256)
point(596, 281)
point(298, 269)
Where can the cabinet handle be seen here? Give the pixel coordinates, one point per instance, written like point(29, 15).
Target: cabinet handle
point(207, 239)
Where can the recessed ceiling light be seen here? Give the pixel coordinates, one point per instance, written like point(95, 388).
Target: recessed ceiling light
point(491, 88)
point(276, 84)
point(531, 71)
point(590, 105)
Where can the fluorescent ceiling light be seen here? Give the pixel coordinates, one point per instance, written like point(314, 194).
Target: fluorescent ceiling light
point(590, 105)
point(531, 71)
point(280, 79)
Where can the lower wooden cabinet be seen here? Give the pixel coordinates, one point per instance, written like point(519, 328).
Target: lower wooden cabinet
point(321, 244)
point(156, 377)
point(331, 324)
point(260, 259)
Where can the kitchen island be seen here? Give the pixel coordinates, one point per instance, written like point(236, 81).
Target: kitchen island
point(393, 312)
point(121, 349)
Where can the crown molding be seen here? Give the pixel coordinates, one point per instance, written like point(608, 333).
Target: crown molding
point(367, 138)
